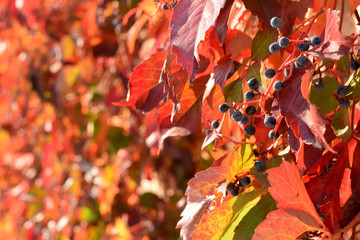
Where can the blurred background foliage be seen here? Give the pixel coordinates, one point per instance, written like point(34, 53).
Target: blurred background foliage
point(73, 165)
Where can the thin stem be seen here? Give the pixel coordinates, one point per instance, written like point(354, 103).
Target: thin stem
point(307, 20)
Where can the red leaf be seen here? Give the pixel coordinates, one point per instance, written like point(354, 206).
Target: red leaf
point(189, 22)
point(287, 10)
point(345, 188)
point(355, 172)
point(204, 183)
point(333, 214)
point(219, 75)
point(210, 108)
point(174, 77)
point(186, 119)
point(211, 47)
point(238, 44)
point(285, 224)
point(289, 191)
point(305, 120)
point(145, 91)
point(221, 26)
point(334, 44)
point(326, 185)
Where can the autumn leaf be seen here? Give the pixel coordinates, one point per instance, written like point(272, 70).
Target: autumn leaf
point(145, 91)
point(333, 214)
point(305, 120)
point(242, 159)
point(185, 120)
point(213, 224)
point(219, 75)
point(334, 44)
point(210, 109)
point(189, 23)
point(287, 10)
point(325, 187)
point(289, 191)
point(246, 228)
point(204, 183)
point(355, 172)
point(285, 224)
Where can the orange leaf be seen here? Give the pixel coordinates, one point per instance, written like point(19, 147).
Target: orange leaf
point(289, 191)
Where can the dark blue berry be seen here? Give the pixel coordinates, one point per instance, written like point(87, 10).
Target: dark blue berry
point(301, 61)
point(274, 48)
point(215, 124)
point(250, 110)
point(231, 186)
point(249, 95)
point(223, 108)
point(278, 85)
point(303, 46)
point(354, 65)
point(253, 83)
point(270, 121)
point(173, 5)
point(259, 165)
point(275, 22)
point(341, 91)
point(270, 73)
point(315, 40)
point(244, 119)
point(319, 85)
point(249, 130)
point(236, 116)
point(245, 181)
point(235, 192)
point(284, 42)
point(344, 103)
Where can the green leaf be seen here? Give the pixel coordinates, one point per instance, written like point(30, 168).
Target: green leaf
point(234, 91)
point(340, 124)
point(325, 99)
point(343, 67)
point(246, 228)
point(242, 205)
point(261, 42)
point(89, 215)
point(257, 70)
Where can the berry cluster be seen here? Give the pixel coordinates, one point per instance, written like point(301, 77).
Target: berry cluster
point(234, 187)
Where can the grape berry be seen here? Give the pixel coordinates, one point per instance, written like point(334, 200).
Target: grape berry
point(223, 108)
point(270, 73)
point(253, 83)
point(278, 85)
point(275, 22)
